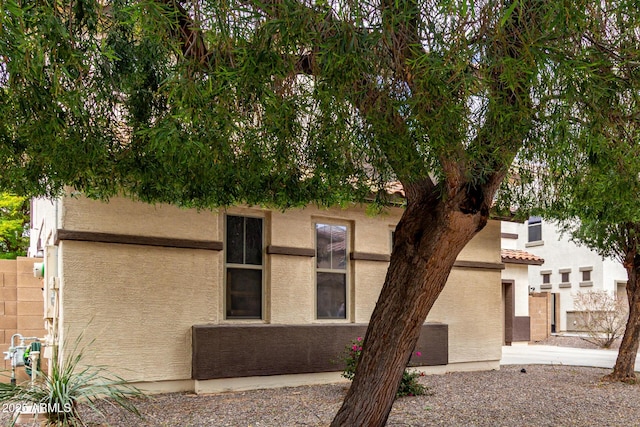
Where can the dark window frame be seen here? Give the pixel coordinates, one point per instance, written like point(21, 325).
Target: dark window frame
point(534, 229)
point(331, 271)
point(244, 268)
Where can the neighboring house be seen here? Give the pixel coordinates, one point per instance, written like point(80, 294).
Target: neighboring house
point(516, 287)
point(181, 299)
point(567, 269)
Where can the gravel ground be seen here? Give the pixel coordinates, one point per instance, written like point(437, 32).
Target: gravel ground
point(541, 396)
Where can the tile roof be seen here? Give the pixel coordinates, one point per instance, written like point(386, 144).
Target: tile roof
point(516, 256)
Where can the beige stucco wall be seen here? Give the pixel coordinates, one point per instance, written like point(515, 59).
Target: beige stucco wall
point(472, 307)
point(124, 216)
point(471, 302)
point(139, 302)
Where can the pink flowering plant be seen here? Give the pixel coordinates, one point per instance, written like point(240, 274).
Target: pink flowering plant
point(352, 355)
point(409, 386)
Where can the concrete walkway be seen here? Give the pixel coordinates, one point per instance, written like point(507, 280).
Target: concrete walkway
point(553, 355)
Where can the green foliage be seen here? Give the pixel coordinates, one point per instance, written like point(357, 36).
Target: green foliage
point(351, 355)
point(69, 385)
point(14, 226)
point(210, 103)
point(595, 191)
point(409, 385)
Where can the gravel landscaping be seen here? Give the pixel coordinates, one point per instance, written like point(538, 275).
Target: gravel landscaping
point(538, 396)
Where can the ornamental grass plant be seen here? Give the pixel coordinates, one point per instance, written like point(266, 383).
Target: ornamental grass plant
point(70, 384)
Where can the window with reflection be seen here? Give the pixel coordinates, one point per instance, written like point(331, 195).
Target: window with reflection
point(331, 271)
point(534, 229)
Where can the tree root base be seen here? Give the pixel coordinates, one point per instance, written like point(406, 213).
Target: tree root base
point(620, 378)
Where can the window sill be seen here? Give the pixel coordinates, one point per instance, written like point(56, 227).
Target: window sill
point(546, 286)
point(240, 320)
point(586, 284)
point(564, 285)
point(535, 243)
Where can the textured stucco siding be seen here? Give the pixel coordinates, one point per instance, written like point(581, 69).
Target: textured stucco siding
point(485, 246)
point(292, 290)
point(140, 302)
point(124, 216)
point(471, 305)
point(369, 278)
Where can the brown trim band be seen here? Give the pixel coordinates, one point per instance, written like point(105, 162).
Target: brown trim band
point(287, 250)
point(126, 239)
point(364, 256)
point(480, 265)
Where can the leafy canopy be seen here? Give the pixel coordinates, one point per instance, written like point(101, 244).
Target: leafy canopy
point(207, 103)
point(14, 226)
point(595, 192)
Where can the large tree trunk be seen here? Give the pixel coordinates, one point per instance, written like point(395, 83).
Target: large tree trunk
point(624, 369)
point(429, 237)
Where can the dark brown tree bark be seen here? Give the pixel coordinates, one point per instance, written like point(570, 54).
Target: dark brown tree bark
point(624, 369)
point(430, 235)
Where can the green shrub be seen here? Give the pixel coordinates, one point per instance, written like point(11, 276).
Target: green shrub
point(409, 386)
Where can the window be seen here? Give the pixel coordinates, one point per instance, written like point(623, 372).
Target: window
point(331, 271)
point(243, 265)
point(586, 277)
point(546, 279)
point(535, 229)
point(565, 277)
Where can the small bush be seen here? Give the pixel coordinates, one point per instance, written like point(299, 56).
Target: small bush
point(409, 386)
point(602, 316)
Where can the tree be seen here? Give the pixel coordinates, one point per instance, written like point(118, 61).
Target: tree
point(596, 194)
point(14, 226)
point(286, 102)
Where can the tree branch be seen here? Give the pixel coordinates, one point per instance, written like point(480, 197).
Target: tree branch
point(189, 34)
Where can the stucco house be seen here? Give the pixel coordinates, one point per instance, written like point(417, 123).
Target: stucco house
point(244, 297)
point(567, 269)
point(523, 319)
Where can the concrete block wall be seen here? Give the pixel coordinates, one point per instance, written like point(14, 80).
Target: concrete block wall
point(21, 304)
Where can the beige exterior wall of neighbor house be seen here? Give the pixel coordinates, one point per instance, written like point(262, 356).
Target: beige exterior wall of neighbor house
point(139, 301)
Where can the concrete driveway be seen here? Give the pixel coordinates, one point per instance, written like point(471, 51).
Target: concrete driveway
point(553, 355)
